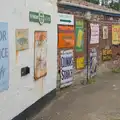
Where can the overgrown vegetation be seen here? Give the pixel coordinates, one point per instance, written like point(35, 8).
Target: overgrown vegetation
point(92, 80)
point(117, 70)
point(114, 4)
point(93, 1)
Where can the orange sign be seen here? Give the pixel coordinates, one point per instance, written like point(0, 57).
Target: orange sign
point(66, 37)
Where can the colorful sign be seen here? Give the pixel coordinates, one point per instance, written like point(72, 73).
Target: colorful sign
point(93, 62)
point(79, 35)
point(21, 39)
point(66, 36)
point(40, 43)
point(105, 32)
point(39, 17)
point(94, 33)
point(66, 66)
point(4, 57)
point(106, 54)
point(115, 34)
point(80, 63)
point(65, 19)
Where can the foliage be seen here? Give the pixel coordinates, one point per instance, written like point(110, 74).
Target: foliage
point(107, 3)
point(91, 81)
point(117, 70)
point(115, 5)
point(93, 1)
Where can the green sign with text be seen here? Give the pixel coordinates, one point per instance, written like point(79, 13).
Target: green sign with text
point(39, 17)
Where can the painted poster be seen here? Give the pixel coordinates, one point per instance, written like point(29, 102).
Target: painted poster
point(80, 63)
point(79, 35)
point(93, 62)
point(106, 54)
point(94, 33)
point(66, 36)
point(4, 57)
point(115, 34)
point(66, 67)
point(105, 32)
point(40, 64)
point(21, 39)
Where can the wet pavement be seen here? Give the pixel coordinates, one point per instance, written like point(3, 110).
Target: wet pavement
point(99, 101)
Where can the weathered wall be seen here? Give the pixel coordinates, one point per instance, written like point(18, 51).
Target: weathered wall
point(102, 20)
point(24, 91)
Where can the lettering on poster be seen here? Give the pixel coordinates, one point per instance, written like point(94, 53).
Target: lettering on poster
point(94, 33)
point(66, 74)
point(66, 36)
point(4, 55)
point(66, 67)
point(106, 54)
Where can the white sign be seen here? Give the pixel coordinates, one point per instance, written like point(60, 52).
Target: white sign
point(66, 67)
point(94, 33)
point(65, 19)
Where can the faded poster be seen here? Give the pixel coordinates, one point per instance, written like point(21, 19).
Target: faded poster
point(21, 39)
point(115, 34)
point(105, 32)
point(66, 67)
point(94, 33)
point(93, 62)
point(4, 57)
point(40, 44)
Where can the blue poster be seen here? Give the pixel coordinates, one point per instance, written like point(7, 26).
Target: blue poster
point(4, 57)
point(66, 65)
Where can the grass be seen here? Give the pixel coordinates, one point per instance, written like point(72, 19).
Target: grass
point(116, 70)
point(91, 81)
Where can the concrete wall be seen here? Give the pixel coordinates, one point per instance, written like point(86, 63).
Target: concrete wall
point(24, 91)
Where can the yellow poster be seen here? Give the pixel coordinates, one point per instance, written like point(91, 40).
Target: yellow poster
point(115, 34)
point(80, 63)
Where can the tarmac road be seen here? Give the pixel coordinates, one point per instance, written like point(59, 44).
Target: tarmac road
point(99, 101)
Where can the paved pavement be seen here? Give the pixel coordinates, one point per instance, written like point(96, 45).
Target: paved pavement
point(100, 101)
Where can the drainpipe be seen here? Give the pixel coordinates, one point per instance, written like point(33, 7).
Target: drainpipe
point(87, 18)
point(119, 5)
point(87, 51)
